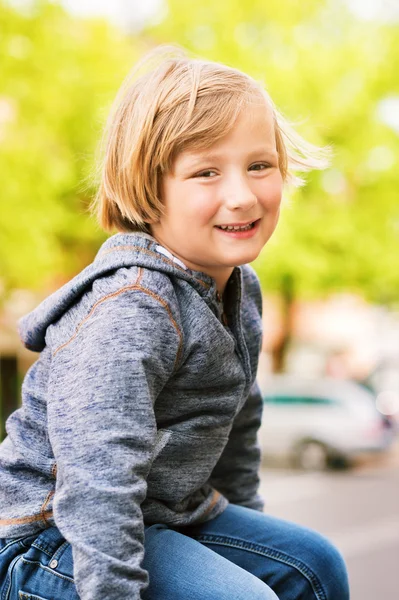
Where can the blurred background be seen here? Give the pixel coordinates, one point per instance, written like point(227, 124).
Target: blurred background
point(329, 368)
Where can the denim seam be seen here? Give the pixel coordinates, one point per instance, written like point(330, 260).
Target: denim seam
point(270, 553)
point(28, 596)
point(10, 543)
point(60, 550)
point(8, 581)
point(39, 547)
point(23, 541)
point(25, 596)
point(52, 571)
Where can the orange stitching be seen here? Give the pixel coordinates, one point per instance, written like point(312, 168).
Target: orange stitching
point(216, 496)
point(113, 295)
point(21, 521)
point(43, 511)
point(43, 516)
point(175, 325)
point(140, 276)
point(54, 470)
point(163, 258)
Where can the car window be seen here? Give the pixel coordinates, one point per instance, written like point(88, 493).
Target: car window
point(297, 400)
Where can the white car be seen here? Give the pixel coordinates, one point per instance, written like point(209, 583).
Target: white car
point(320, 423)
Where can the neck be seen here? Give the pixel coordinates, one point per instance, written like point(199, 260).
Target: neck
point(221, 275)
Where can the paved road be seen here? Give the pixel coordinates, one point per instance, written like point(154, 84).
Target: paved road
point(358, 510)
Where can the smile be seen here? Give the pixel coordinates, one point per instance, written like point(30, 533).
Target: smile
point(233, 227)
point(239, 231)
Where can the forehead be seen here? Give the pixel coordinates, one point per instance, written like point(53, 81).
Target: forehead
point(255, 122)
point(252, 131)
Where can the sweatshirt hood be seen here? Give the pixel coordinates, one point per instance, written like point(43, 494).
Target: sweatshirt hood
point(120, 250)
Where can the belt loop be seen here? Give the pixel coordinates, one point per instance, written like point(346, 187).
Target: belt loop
point(49, 541)
point(53, 564)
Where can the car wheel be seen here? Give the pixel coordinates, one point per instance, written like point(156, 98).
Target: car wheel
point(312, 456)
point(339, 462)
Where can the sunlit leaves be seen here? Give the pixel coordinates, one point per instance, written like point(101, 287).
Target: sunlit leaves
point(58, 76)
point(333, 74)
point(330, 72)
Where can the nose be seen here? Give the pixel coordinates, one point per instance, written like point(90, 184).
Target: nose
point(238, 194)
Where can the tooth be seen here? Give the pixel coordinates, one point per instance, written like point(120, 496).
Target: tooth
point(235, 227)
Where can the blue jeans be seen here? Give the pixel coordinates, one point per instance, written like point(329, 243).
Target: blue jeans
point(241, 555)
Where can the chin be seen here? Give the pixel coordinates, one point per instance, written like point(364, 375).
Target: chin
point(245, 258)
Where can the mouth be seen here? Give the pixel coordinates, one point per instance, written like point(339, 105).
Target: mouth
point(234, 227)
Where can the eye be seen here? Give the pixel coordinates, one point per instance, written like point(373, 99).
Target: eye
point(260, 166)
point(207, 174)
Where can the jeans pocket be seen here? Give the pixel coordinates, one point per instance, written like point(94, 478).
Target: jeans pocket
point(42, 571)
point(32, 580)
point(7, 544)
point(25, 596)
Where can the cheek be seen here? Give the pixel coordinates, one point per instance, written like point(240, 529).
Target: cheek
point(200, 203)
point(271, 193)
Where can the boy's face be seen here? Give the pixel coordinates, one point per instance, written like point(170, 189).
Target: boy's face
point(234, 182)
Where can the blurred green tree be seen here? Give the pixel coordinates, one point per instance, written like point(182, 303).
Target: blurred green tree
point(325, 69)
point(330, 73)
point(58, 75)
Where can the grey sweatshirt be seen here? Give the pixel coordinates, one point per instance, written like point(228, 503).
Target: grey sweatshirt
point(142, 408)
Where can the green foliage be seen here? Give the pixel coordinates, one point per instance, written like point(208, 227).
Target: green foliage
point(325, 70)
point(328, 72)
point(59, 74)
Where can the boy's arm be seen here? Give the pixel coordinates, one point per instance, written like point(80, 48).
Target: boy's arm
point(236, 475)
point(102, 428)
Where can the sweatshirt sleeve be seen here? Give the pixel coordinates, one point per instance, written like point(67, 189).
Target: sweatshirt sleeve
point(102, 429)
point(236, 474)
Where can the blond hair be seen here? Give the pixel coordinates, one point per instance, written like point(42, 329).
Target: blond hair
point(177, 103)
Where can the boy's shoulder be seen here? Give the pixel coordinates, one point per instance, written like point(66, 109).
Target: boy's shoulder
point(121, 279)
point(119, 306)
point(118, 273)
